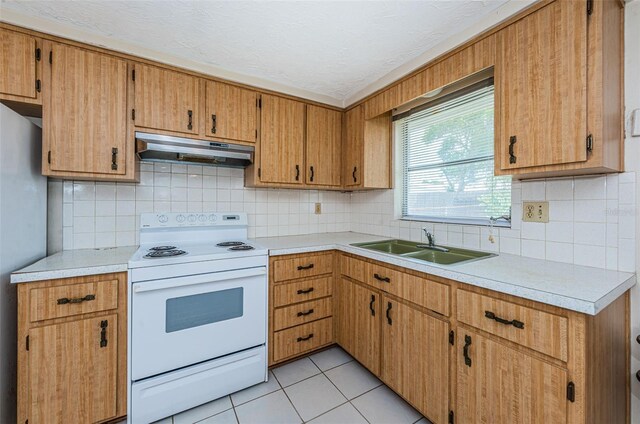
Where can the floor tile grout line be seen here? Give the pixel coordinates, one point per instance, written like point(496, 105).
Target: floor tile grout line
point(293, 406)
point(359, 412)
point(326, 412)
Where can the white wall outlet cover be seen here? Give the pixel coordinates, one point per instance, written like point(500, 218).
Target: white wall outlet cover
point(635, 123)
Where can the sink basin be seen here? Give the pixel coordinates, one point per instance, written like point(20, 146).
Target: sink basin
point(410, 249)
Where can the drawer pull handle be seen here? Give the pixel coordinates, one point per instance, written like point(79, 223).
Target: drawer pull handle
point(514, 322)
point(380, 278)
point(309, 312)
point(389, 321)
point(303, 339)
point(465, 350)
point(103, 333)
point(512, 157)
point(307, 291)
point(373, 300)
point(65, 300)
point(303, 267)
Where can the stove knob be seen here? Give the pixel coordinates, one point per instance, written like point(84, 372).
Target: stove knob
point(191, 218)
point(163, 219)
point(180, 218)
point(202, 218)
point(213, 217)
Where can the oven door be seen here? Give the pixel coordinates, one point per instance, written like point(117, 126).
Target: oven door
point(178, 322)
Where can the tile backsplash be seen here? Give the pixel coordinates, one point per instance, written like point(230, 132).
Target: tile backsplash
point(585, 213)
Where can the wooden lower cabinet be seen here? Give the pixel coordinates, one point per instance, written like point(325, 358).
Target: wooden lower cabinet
point(358, 314)
point(415, 358)
point(72, 360)
point(501, 385)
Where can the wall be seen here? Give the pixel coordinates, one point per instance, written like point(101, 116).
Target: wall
point(97, 215)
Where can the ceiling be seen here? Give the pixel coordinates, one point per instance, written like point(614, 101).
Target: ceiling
point(331, 51)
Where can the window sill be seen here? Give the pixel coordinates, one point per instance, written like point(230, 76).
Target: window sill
point(456, 221)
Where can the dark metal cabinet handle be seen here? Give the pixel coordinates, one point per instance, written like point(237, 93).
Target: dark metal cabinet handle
point(65, 300)
point(355, 168)
point(303, 267)
point(638, 375)
point(514, 322)
point(309, 312)
point(213, 124)
point(103, 333)
point(512, 156)
point(190, 124)
point(309, 290)
point(380, 278)
point(302, 339)
point(389, 321)
point(114, 158)
point(297, 172)
point(373, 300)
point(465, 350)
point(311, 170)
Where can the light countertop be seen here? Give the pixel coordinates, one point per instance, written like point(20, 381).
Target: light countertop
point(578, 288)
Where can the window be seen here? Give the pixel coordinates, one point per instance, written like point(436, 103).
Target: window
point(447, 159)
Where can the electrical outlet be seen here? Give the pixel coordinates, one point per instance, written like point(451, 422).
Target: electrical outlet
point(535, 211)
point(318, 208)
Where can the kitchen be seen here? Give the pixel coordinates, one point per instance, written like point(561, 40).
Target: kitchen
point(440, 229)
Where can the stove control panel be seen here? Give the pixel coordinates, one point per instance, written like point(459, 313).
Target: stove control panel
point(205, 219)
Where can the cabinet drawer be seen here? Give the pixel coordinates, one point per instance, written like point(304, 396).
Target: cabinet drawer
point(540, 331)
point(423, 292)
point(383, 278)
point(300, 291)
point(288, 269)
point(300, 339)
point(303, 312)
point(353, 268)
point(73, 299)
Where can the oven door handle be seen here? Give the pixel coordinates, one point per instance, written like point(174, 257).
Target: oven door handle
point(170, 283)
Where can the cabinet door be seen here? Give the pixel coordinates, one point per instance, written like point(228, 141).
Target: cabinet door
point(358, 323)
point(353, 147)
point(541, 87)
point(281, 140)
point(17, 64)
point(500, 385)
point(72, 371)
point(231, 112)
point(85, 114)
point(166, 100)
point(324, 141)
point(415, 358)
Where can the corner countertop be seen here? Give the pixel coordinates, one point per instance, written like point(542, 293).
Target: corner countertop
point(579, 288)
point(76, 263)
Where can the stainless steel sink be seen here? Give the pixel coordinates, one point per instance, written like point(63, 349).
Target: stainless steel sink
point(414, 250)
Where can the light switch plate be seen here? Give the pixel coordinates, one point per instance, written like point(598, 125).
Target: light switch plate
point(535, 211)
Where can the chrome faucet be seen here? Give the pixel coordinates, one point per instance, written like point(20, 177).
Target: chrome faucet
point(431, 238)
point(432, 243)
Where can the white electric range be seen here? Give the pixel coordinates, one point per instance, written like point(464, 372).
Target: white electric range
point(197, 312)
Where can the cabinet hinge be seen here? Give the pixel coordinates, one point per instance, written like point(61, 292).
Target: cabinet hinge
point(260, 103)
point(38, 85)
point(450, 417)
point(51, 57)
point(49, 156)
point(133, 75)
point(571, 391)
point(38, 54)
point(589, 7)
point(133, 114)
point(256, 134)
point(589, 143)
point(27, 343)
point(451, 337)
point(259, 173)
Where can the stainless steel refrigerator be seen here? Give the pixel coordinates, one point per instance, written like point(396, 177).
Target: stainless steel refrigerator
point(23, 233)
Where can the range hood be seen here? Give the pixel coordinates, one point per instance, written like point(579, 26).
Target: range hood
point(166, 148)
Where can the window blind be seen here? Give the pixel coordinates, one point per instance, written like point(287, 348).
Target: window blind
point(448, 159)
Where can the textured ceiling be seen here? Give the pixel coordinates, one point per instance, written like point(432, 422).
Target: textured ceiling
point(332, 48)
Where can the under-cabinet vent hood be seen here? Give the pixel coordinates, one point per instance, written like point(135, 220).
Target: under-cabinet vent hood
point(165, 148)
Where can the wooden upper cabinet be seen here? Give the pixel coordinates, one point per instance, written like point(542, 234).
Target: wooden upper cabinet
point(367, 150)
point(71, 371)
point(18, 61)
point(415, 358)
point(86, 129)
point(231, 112)
point(166, 100)
point(324, 143)
point(281, 140)
point(500, 385)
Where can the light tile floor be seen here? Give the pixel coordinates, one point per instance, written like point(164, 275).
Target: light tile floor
point(328, 387)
